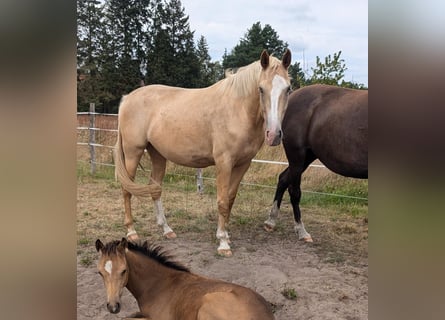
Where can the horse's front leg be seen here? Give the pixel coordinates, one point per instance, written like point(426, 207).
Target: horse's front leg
point(222, 189)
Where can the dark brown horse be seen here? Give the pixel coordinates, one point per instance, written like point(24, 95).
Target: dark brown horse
point(166, 290)
point(322, 122)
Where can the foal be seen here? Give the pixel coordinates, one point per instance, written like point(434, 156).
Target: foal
point(166, 290)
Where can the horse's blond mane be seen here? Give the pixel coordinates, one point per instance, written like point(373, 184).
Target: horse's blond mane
point(245, 80)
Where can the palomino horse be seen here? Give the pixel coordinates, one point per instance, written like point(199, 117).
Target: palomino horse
point(222, 125)
point(166, 290)
point(322, 122)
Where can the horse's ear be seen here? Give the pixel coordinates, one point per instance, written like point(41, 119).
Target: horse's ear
point(264, 59)
point(123, 244)
point(99, 245)
point(287, 58)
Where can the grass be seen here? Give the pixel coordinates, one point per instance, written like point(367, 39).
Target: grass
point(338, 224)
point(289, 293)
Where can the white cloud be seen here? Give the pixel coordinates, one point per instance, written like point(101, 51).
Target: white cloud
point(319, 27)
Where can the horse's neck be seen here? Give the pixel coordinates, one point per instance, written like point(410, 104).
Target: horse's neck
point(146, 276)
point(247, 100)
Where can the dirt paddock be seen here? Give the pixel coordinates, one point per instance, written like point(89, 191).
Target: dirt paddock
point(324, 280)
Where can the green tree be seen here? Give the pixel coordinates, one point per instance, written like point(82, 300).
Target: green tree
point(298, 78)
point(89, 17)
point(125, 19)
point(172, 58)
point(252, 44)
point(206, 77)
point(331, 71)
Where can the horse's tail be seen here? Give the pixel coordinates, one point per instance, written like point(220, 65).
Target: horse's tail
point(121, 173)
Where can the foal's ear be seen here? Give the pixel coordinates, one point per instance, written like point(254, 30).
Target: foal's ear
point(99, 245)
point(287, 57)
point(264, 59)
point(123, 244)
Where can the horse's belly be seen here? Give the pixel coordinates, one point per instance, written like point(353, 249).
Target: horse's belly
point(194, 162)
point(187, 158)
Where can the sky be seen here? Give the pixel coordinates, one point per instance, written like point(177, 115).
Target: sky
point(310, 27)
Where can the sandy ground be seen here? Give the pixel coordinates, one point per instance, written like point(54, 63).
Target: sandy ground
point(330, 276)
point(324, 290)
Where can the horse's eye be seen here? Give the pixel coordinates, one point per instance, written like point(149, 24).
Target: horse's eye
point(100, 273)
point(289, 90)
point(123, 272)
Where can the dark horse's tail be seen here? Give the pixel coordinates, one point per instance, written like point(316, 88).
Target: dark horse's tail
point(121, 173)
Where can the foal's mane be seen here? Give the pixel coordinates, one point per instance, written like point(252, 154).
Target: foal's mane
point(245, 80)
point(158, 254)
point(151, 251)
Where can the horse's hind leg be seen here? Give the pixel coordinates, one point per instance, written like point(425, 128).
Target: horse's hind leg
point(132, 158)
point(159, 163)
point(295, 196)
point(283, 183)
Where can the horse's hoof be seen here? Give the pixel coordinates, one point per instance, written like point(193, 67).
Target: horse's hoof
point(225, 252)
point(170, 235)
point(133, 237)
point(307, 239)
point(269, 228)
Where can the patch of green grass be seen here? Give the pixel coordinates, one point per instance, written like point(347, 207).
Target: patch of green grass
point(84, 241)
point(86, 260)
point(243, 220)
point(289, 293)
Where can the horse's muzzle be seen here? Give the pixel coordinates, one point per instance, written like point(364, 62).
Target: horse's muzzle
point(114, 308)
point(273, 138)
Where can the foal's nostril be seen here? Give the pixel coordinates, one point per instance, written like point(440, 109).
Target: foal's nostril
point(114, 309)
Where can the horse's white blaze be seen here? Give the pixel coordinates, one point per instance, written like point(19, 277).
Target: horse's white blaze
point(278, 85)
point(108, 266)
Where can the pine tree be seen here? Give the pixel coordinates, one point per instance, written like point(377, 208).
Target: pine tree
point(160, 53)
point(252, 44)
point(89, 17)
point(205, 72)
point(172, 59)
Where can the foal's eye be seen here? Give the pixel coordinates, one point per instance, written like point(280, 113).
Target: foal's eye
point(289, 90)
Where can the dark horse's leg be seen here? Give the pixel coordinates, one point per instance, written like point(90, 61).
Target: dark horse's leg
point(294, 190)
point(283, 183)
point(291, 179)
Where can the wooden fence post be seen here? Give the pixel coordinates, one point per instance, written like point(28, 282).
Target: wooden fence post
point(92, 137)
point(199, 182)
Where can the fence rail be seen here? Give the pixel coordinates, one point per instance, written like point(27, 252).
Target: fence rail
point(92, 129)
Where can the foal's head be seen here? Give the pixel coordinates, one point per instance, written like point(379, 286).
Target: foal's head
point(274, 88)
point(114, 271)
